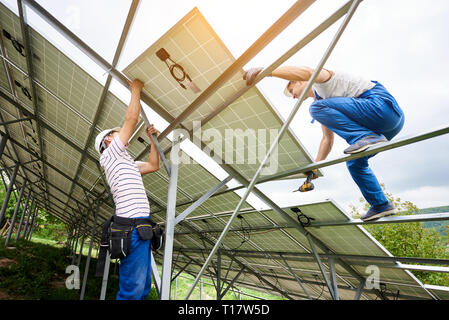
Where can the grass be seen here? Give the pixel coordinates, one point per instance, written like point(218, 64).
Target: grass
point(36, 271)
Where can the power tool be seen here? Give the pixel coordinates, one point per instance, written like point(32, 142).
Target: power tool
point(308, 185)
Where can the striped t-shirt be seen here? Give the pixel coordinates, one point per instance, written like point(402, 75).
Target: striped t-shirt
point(125, 181)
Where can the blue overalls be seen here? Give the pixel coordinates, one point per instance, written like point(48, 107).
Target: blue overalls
point(374, 111)
point(135, 270)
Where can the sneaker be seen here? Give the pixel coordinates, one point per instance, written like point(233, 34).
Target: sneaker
point(376, 212)
point(365, 143)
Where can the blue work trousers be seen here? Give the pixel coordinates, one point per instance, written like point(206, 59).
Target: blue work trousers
point(375, 111)
point(135, 270)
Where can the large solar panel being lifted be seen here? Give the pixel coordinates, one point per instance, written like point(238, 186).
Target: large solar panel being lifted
point(193, 45)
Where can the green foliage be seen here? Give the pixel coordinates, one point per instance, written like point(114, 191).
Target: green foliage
point(38, 272)
point(410, 239)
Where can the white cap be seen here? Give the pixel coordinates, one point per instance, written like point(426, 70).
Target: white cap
point(100, 137)
point(286, 92)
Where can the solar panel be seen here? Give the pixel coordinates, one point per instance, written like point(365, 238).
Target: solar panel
point(440, 292)
point(194, 45)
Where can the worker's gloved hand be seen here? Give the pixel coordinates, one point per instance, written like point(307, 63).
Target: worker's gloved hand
point(314, 172)
point(251, 75)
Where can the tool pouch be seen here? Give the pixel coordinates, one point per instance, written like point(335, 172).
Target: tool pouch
point(145, 231)
point(158, 238)
point(119, 240)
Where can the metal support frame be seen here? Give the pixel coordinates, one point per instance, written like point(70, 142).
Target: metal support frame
point(3, 143)
point(33, 224)
point(16, 210)
point(25, 208)
point(86, 268)
point(170, 219)
point(70, 36)
point(58, 26)
point(104, 282)
point(12, 180)
point(15, 121)
point(284, 127)
point(201, 200)
point(296, 277)
point(359, 290)
point(321, 267)
point(29, 63)
point(155, 273)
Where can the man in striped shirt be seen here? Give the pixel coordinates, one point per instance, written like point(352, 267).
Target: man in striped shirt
point(124, 176)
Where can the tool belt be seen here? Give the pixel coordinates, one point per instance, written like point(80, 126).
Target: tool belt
point(116, 238)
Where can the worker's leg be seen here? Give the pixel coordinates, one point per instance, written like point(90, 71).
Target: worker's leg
point(374, 113)
point(147, 288)
point(367, 182)
point(134, 269)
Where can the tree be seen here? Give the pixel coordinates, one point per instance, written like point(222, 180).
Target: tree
point(409, 239)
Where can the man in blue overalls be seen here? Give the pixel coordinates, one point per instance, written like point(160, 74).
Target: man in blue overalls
point(360, 111)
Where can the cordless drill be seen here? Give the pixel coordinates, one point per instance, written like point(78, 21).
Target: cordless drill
point(308, 185)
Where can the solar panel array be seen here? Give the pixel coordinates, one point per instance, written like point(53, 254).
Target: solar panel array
point(68, 98)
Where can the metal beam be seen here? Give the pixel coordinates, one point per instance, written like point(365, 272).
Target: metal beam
point(201, 200)
point(16, 210)
point(29, 62)
point(12, 180)
point(106, 66)
point(428, 134)
point(170, 219)
point(15, 121)
point(296, 277)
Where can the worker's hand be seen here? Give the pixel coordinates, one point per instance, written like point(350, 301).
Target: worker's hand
point(251, 75)
point(151, 131)
point(314, 172)
point(136, 85)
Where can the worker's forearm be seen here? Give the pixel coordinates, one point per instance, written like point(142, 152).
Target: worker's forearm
point(153, 158)
point(133, 110)
point(324, 149)
point(293, 73)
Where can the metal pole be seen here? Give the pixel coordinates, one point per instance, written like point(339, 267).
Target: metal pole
point(219, 296)
point(333, 277)
point(13, 219)
point(170, 219)
point(25, 228)
point(251, 185)
point(31, 208)
point(28, 224)
point(12, 180)
point(156, 277)
point(86, 268)
point(82, 242)
point(104, 282)
point(320, 265)
point(30, 234)
point(358, 293)
point(78, 227)
point(201, 200)
point(296, 277)
point(3, 143)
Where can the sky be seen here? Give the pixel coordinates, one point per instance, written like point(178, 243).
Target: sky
point(402, 44)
